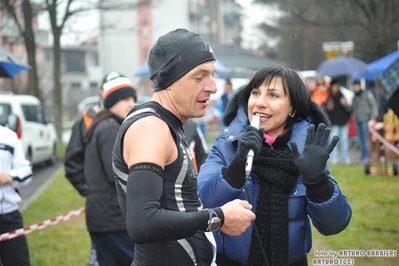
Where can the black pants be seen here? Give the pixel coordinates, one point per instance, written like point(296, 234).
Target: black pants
point(13, 252)
point(113, 249)
point(222, 260)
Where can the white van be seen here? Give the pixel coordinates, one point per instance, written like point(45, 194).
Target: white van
point(24, 115)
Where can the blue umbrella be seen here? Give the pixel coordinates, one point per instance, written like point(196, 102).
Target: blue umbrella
point(144, 71)
point(10, 65)
point(380, 65)
point(342, 66)
point(389, 78)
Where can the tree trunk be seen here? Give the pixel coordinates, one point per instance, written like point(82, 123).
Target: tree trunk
point(30, 44)
point(57, 81)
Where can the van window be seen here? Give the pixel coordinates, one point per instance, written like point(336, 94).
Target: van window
point(5, 111)
point(33, 113)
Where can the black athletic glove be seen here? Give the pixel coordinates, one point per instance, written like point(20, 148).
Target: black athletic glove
point(312, 162)
point(235, 172)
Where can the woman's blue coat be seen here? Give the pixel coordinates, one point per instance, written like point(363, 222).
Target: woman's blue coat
point(330, 217)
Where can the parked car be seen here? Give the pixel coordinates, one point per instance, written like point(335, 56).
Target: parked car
point(24, 115)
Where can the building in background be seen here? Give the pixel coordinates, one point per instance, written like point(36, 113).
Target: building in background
point(81, 71)
point(128, 35)
point(127, 32)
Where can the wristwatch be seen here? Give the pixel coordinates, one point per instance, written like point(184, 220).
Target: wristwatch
point(214, 221)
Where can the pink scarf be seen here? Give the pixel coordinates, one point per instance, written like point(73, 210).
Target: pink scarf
point(269, 139)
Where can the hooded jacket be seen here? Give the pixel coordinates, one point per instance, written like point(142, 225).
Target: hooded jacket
point(364, 107)
point(103, 213)
point(13, 163)
point(74, 155)
point(329, 217)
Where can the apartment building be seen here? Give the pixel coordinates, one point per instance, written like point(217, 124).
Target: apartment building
point(81, 71)
point(127, 35)
point(127, 32)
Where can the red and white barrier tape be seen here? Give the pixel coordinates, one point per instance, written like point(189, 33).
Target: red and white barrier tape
point(40, 226)
point(379, 125)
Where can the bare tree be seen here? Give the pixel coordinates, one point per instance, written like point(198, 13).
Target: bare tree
point(59, 11)
point(53, 7)
point(57, 26)
point(26, 31)
point(58, 18)
point(373, 25)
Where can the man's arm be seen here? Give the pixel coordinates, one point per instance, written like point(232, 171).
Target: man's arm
point(146, 221)
point(20, 173)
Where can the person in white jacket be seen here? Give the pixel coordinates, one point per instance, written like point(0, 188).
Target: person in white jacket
point(15, 172)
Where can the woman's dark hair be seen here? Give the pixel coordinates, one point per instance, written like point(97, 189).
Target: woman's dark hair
point(293, 86)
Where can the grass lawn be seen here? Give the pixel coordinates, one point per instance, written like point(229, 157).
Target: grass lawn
point(66, 243)
point(375, 219)
point(374, 224)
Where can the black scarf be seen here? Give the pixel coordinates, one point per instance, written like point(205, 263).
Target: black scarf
point(278, 175)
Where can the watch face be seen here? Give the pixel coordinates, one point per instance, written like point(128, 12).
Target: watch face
point(214, 224)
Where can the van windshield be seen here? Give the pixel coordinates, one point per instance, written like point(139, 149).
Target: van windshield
point(5, 111)
point(33, 113)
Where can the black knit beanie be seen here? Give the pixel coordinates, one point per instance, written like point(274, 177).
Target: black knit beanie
point(174, 55)
point(117, 87)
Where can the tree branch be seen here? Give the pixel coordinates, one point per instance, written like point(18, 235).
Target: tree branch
point(10, 7)
point(67, 14)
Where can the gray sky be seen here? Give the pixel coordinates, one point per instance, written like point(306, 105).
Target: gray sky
point(253, 15)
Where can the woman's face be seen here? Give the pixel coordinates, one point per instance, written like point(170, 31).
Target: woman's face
point(272, 105)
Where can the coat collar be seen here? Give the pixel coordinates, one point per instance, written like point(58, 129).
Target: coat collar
point(239, 124)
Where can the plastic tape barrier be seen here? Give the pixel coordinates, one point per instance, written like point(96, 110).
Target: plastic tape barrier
point(40, 226)
point(379, 125)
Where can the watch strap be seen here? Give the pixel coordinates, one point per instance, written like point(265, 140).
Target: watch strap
point(214, 221)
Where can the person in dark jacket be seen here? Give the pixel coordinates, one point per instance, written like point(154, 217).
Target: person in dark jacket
point(338, 111)
point(104, 218)
point(223, 101)
point(74, 156)
point(196, 142)
point(290, 182)
point(364, 109)
point(380, 98)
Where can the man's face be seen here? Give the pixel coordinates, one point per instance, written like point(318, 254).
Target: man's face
point(123, 107)
point(356, 87)
point(192, 92)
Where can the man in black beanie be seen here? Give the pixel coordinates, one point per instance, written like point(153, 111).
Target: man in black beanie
point(155, 175)
point(175, 54)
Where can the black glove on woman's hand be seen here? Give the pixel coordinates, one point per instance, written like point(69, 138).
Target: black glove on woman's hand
point(251, 139)
point(312, 162)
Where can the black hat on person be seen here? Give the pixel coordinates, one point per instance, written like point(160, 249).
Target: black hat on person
point(334, 81)
point(175, 54)
point(117, 87)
